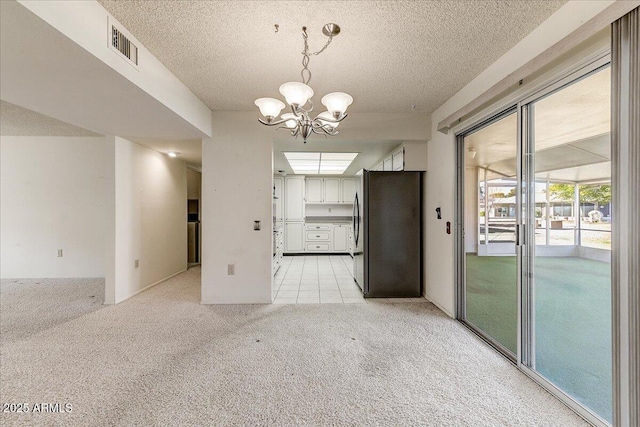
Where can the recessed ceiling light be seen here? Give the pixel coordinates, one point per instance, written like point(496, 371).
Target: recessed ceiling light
point(306, 163)
point(172, 154)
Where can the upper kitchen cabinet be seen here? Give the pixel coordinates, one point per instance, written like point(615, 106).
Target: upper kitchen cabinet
point(397, 160)
point(294, 198)
point(387, 164)
point(348, 190)
point(278, 187)
point(314, 190)
point(332, 190)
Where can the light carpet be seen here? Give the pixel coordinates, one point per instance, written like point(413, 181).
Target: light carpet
point(163, 359)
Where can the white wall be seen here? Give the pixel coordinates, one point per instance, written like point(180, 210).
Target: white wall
point(440, 188)
point(150, 219)
point(85, 23)
point(52, 197)
point(237, 176)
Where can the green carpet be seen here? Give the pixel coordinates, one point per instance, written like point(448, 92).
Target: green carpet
point(573, 320)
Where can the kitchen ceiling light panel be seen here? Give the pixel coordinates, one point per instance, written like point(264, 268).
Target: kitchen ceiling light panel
point(307, 163)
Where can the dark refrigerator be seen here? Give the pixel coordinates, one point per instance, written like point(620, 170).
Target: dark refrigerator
point(387, 233)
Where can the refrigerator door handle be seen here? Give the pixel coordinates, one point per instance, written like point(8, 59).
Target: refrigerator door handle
point(356, 220)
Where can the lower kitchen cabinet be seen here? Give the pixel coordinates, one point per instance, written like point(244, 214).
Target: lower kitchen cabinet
point(340, 239)
point(294, 237)
point(278, 247)
point(317, 247)
point(300, 237)
point(327, 237)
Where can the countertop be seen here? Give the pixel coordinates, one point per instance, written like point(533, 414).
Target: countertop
point(327, 219)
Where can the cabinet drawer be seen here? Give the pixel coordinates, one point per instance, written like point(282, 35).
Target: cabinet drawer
point(326, 227)
point(318, 247)
point(317, 235)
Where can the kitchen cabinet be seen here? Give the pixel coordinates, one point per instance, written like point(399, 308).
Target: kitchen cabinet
point(332, 190)
point(348, 190)
point(340, 239)
point(278, 187)
point(327, 237)
point(387, 165)
point(317, 247)
point(318, 237)
point(398, 160)
point(294, 237)
point(278, 248)
point(314, 190)
point(329, 190)
point(294, 198)
point(318, 227)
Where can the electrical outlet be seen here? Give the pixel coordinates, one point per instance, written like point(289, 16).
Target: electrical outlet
point(231, 269)
point(136, 263)
point(256, 225)
point(59, 253)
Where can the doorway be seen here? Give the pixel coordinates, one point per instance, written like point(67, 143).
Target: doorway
point(534, 241)
point(194, 185)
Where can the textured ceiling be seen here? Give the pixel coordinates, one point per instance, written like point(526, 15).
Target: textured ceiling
point(18, 121)
point(390, 55)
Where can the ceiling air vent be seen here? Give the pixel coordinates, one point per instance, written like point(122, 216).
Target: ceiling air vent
point(121, 43)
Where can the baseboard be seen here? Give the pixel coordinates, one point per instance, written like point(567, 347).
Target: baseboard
point(439, 306)
point(203, 302)
point(150, 286)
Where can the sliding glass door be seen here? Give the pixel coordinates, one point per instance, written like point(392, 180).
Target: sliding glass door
point(534, 237)
point(488, 153)
point(569, 257)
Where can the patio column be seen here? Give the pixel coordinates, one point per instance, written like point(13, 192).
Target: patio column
point(486, 211)
point(576, 215)
point(547, 209)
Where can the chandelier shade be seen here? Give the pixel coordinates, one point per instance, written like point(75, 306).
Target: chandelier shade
point(296, 93)
point(269, 107)
point(337, 103)
point(291, 120)
point(327, 116)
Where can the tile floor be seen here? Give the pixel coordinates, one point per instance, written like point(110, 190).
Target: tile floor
point(321, 279)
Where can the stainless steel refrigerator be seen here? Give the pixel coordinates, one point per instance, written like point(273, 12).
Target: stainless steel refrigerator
point(387, 234)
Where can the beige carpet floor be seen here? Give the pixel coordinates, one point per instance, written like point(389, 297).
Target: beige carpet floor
point(162, 359)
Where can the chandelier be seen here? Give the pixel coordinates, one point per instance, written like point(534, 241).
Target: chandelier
point(298, 95)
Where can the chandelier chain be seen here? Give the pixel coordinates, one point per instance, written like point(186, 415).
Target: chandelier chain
point(306, 73)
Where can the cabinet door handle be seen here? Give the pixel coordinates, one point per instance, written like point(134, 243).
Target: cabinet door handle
point(317, 236)
point(317, 247)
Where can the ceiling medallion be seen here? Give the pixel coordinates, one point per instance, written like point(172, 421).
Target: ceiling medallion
point(297, 95)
